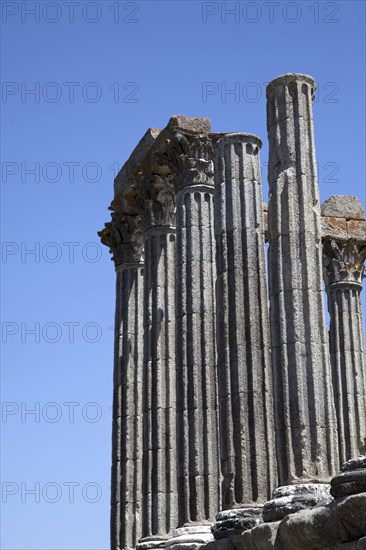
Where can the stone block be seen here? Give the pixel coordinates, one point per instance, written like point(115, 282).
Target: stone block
point(262, 537)
point(349, 483)
point(126, 176)
point(200, 125)
point(354, 464)
point(355, 545)
point(356, 229)
point(292, 498)
point(351, 513)
point(310, 530)
point(235, 521)
point(343, 206)
point(334, 227)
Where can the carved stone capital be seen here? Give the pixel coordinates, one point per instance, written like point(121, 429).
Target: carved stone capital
point(198, 172)
point(123, 236)
point(178, 159)
point(343, 262)
point(155, 199)
point(191, 159)
point(184, 159)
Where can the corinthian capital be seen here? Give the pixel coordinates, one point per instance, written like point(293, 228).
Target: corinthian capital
point(155, 200)
point(191, 158)
point(123, 237)
point(343, 262)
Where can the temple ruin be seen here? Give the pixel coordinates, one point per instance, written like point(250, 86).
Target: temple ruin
point(239, 419)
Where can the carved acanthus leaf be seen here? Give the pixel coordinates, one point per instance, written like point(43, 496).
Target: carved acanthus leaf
point(181, 160)
point(343, 261)
point(191, 159)
point(155, 199)
point(123, 236)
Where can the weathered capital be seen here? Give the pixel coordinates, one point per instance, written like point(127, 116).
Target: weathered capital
point(123, 236)
point(191, 159)
point(344, 241)
point(343, 262)
point(155, 199)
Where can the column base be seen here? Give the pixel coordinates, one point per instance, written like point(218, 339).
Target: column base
point(150, 543)
point(235, 521)
point(351, 480)
point(190, 537)
point(289, 499)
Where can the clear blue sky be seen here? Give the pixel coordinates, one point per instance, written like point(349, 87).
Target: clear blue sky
point(74, 131)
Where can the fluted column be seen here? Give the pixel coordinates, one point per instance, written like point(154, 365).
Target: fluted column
point(343, 272)
point(159, 507)
point(305, 420)
point(123, 237)
point(247, 449)
point(197, 430)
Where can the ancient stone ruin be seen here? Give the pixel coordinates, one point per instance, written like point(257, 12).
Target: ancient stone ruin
point(239, 420)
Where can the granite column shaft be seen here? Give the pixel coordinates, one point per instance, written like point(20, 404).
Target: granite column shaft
point(197, 429)
point(159, 510)
point(123, 237)
point(306, 429)
point(343, 272)
point(247, 446)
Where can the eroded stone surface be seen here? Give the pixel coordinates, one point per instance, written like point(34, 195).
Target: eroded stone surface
point(356, 545)
point(354, 464)
point(247, 447)
point(262, 537)
point(235, 521)
point(335, 228)
point(349, 483)
point(292, 498)
point(339, 525)
point(190, 537)
point(127, 175)
point(310, 530)
point(151, 543)
point(343, 206)
point(198, 125)
point(304, 409)
point(343, 218)
point(351, 512)
point(356, 229)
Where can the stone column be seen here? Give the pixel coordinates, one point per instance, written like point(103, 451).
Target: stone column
point(306, 428)
point(123, 237)
point(197, 430)
point(247, 443)
point(159, 508)
point(343, 271)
